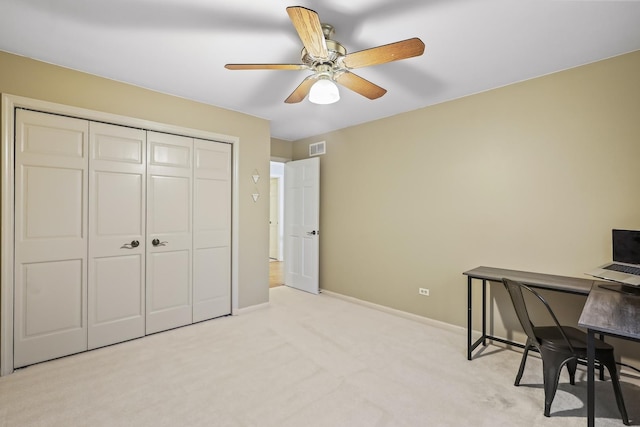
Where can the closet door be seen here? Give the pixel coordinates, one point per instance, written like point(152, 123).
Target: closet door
point(212, 230)
point(117, 240)
point(50, 283)
point(169, 231)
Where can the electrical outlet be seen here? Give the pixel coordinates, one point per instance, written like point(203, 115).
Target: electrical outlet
point(423, 291)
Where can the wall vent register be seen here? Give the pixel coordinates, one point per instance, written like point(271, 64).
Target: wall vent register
point(317, 148)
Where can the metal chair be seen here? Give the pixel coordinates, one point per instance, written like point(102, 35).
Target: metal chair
point(559, 345)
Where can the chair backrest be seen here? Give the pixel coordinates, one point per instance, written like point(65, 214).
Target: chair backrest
point(515, 292)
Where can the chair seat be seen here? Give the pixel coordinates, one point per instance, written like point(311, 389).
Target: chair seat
point(550, 337)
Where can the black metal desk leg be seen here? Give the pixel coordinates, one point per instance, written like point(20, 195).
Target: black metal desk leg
point(469, 318)
point(591, 354)
point(484, 307)
point(600, 365)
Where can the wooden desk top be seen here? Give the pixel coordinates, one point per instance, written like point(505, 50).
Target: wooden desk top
point(573, 285)
point(612, 312)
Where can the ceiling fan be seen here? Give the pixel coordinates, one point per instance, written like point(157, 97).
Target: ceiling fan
point(330, 62)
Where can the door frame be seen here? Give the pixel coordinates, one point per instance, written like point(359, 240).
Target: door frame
point(278, 172)
point(7, 120)
point(275, 245)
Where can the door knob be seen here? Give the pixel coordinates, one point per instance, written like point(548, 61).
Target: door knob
point(157, 242)
point(133, 244)
point(312, 233)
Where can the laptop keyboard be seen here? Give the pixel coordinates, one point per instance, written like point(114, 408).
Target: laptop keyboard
point(624, 269)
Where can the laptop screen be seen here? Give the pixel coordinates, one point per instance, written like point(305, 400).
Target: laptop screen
point(626, 246)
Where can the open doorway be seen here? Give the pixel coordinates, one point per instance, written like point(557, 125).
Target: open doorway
point(276, 224)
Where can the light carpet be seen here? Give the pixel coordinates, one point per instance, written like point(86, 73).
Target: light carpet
point(304, 360)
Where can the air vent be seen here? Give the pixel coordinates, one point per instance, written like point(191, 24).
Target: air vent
point(317, 148)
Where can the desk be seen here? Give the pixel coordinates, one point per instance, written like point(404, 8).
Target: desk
point(570, 285)
point(612, 313)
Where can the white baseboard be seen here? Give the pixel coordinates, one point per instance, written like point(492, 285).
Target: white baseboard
point(400, 313)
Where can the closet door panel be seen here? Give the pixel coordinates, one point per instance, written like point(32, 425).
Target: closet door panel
point(212, 230)
point(117, 234)
point(50, 271)
point(212, 279)
point(168, 298)
point(52, 203)
point(169, 231)
point(59, 300)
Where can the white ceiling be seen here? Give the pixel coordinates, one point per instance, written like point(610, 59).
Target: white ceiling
point(180, 47)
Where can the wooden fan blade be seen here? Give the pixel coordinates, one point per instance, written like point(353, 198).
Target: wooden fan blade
point(307, 24)
point(386, 53)
point(360, 85)
point(302, 90)
point(266, 67)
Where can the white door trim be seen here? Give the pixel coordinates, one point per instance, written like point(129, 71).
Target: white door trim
point(7, 116)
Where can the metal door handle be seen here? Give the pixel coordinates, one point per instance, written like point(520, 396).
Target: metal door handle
point(157, 242)
point(312, 233)
point(133, 244)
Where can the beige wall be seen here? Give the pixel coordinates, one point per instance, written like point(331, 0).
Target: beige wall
point(32, 79)
point(532, 176)
point(281, 150)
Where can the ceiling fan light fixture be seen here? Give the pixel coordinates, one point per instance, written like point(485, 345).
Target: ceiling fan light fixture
point(324, 91)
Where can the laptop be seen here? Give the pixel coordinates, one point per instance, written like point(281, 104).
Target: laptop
point(625, 267)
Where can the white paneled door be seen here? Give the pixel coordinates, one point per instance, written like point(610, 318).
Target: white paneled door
point(301, 222)
point(212, 230)
point(117, 240)
point(51, 200)
point(169, 231)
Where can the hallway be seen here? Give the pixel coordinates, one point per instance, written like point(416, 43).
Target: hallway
point(276, 273)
